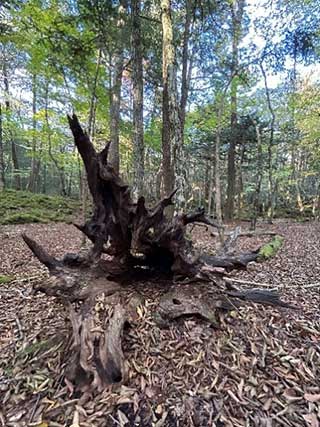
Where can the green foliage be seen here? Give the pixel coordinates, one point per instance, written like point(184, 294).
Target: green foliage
point(19, 207)
point(270, 249)
point(5, 279)
point(61, 56)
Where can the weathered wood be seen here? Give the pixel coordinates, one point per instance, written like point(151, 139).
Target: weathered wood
point(138, 239)
point(97, 332)
point(181, 303)
point(49, 261)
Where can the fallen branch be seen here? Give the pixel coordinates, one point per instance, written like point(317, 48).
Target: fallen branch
point(246, 233)
point(249, 283)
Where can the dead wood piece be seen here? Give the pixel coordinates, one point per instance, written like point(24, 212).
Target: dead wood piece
point(98, 358)
point(200, 217)
point(261, 296)
point(230, 262)
point(177, 304)
point(230, 241)
point(136, 238)
point(49, 261)
point(247, 282)
point(259, 233)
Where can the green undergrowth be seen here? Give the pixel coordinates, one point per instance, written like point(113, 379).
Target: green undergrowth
point(270, 249)
point(21, 207)
point(5, 279)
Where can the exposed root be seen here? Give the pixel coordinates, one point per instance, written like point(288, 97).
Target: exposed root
point(97, 332)
point(137, 238)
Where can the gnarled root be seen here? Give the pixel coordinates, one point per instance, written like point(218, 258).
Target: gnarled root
point(98, 358)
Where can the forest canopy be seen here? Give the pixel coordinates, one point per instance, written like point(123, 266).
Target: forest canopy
point(219, 99)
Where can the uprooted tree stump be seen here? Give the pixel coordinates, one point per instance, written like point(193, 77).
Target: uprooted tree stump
point(130, 239)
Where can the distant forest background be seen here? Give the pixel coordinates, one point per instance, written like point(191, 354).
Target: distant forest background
point(219, 99)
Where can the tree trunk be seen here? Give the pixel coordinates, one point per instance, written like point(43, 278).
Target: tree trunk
point(35, 162)
point(240, 192)
point(91, 127)
point(137, 80)
point(218, 183)
point(2, 167)
point(186, 65)
point(14, 155)
point(60, 169)
point(211, 179)
point(167, 61)
point(270, 211)
point(258, 178)
point(172, 144)
point(116, 90)
point(237, 7)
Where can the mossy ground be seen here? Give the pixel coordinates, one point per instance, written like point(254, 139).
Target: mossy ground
point(270, 249)
point(21, 207)
point(5, 279)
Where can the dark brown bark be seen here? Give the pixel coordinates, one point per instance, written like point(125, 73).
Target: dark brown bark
point(137, 238)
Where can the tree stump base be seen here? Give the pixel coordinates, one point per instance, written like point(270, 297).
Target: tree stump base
point(139, 240)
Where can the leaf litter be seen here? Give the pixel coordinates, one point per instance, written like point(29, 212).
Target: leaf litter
point(261, 367)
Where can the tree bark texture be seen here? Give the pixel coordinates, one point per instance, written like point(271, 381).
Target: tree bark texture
point(137, 81)
point(35, 161)
point(172, 144)
point(270, 146)
point(14, 154)
point(116, 81)
point(139, 240)
point(237, 7)
point(258, 178)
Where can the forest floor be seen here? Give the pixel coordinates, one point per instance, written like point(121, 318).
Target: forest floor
point(260, 368)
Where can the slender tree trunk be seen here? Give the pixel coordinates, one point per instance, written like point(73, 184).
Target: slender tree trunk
point(211, 178)
point(296, 180)
point(172, 144)
point(59, 168)
point(137, 80)
point(240, 181)
point(114, 154)
point(167, 63)
point(258, 178)
point(270, 211)
point(206, 178)
point(35, 162)
point(2, 167)
point(14, 154)
point(237, 7)
point(231, 159)
point(186, 65)
point(218, 197)
point(217, 180)
point(295, 135)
